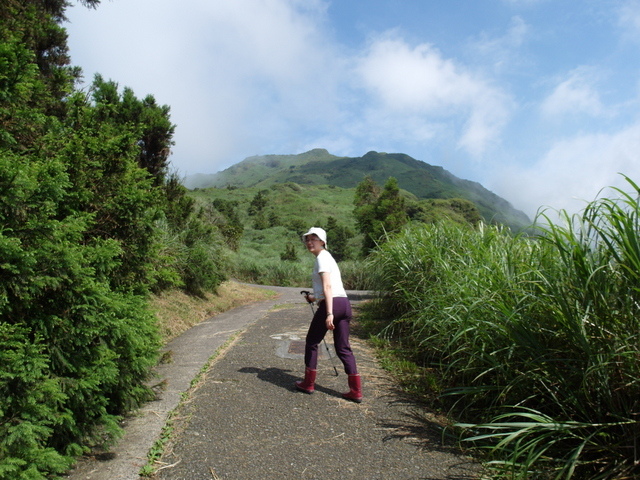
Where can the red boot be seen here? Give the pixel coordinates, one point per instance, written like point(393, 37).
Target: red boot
point(355, 386)
point(307, 385)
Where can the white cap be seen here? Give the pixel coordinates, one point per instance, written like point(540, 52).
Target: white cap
point(322, 235)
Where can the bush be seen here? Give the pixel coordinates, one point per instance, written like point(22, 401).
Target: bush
point(355, 275)
point(30, 396)
point(83, 194)
point(90, 346)
point(203, 269)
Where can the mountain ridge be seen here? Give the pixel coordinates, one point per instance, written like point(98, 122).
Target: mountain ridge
point(319, 167)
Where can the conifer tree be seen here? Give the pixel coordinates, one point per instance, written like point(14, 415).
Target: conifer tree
point(378, 213)
point(339, 236)
point(365, 198)
point(390, 209)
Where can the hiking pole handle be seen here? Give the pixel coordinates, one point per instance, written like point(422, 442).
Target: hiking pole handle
point(306, 293)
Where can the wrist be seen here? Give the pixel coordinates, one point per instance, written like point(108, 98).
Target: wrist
point(329, 313)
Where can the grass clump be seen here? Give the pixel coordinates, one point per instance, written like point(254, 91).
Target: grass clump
point(177, 311)
point(534, 341)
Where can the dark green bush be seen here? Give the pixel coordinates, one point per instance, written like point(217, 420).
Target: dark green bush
point(89, 223)
point(30, 396)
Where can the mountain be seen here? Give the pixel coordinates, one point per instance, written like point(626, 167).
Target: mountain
point(319, 167)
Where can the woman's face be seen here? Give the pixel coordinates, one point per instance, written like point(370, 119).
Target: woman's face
point(313, 243)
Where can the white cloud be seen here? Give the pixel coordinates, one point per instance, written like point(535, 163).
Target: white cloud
point(420, 82)
point(573, 171)
point(237, 75)
point(629, 17)
point(574, 95)
point(501, 48)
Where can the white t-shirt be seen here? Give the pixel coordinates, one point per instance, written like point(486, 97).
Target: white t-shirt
point(326, 263)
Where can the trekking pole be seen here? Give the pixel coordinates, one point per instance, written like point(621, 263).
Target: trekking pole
point(305, 293)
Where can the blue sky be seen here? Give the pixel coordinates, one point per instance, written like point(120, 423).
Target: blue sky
point(538, 100)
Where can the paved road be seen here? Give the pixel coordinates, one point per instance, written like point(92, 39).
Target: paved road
point(245, 420)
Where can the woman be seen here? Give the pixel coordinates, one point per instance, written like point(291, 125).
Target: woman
point(333, 313)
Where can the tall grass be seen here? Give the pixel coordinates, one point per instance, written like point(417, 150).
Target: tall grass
point(535, 340)
point(286, 273)
point(270, 271)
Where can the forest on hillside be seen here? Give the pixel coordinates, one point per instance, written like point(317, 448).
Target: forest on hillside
point(91, 221)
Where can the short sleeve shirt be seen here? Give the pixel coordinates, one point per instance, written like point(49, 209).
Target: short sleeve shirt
point(326, 263)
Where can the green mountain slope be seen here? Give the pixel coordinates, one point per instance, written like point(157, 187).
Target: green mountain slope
point(319, 167)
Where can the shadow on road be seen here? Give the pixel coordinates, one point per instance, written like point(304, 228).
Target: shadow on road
point(282, 378)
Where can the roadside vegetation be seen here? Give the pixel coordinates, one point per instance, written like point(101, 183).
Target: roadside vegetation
point(265, 226)
point(176, 311)
point(531, 344)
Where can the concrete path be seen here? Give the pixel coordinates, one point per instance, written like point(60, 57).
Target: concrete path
point(245, 421)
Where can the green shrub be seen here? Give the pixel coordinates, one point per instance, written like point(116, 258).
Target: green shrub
point(89, 223)
point(30, 396)
point(354, 275)
point(203, 268)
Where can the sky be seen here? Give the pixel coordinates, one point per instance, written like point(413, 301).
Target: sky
point(537, 100)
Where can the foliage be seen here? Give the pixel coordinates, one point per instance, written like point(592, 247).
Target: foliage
point(365, 199)
point(340, 236)
point(269, 271)
point(97, 341)
point(288, 211)
point(228, 221)
point(457, 210)
point(379, 213)
point(154, 130)
point(258, 203)
point(29, 395)
point(289, 253)
point(90, 222)
point(390, 207)
point(534, 341)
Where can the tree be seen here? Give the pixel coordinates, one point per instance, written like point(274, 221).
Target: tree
point(230, 224)
point(365, 198)
point(289, 253)
point(390, 209)
point(154, 130)
point(85, 208)
point(367, 192)
point(339, 236)
point(378, 213)
point(258, 203)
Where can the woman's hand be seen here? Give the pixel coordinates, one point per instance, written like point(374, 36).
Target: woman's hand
point(329, 321)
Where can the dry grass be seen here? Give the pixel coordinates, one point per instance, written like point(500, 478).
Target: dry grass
point(178, 312)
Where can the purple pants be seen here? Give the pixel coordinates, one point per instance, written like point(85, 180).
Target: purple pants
point(317, 330)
